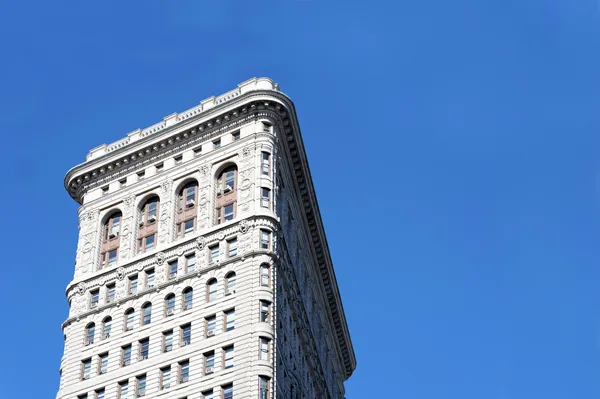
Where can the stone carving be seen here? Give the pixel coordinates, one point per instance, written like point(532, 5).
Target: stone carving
point(81, 288)
point(221, 236)
point(244, 226)
point(163, 228)
point(203, 170)
point(200, 243)
point(160, 258)
point(101, 281)
point(129, 200)
point(120, 273)
point(165, 187)
point(179, 251)
point(90, 219)
point(247, 151)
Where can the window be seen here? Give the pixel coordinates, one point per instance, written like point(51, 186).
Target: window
point(148, 217)
point(265, 239)
point(99, 393)
point(214, 254)
point(110, 293)
point(208, 394)
point(123, 183)
point(94, 298)
point(264, 348)
point(178, 159)
point(170, 305)
point(197, 151)
point(264, 311)
point(186, 210)
point(129, 318)
point(172, 270)
point(228, 360)
point(150, 278)
point(211, 324)
point(263, 387)
point(86, 369)
point(226, 195)
point(133, 285)
point(110, 240)
point(230, 283)
point(227, 391)
point(126, 355)
point(265, 163)
point(106, 327)
point(232, 246)
point(141, 385)
point(229, 319)
point(190, 263)
point(209, 362)
point(265, 276)
point(141, 175)
point(186, 334)
point(235, 136)
point(90, 331)
point(211, 290)
point(168, 341)
point(184, 371)
point(266, 126)
point(159, 167)
point(104, 190)
point(217, 144)
point(146, 314)
point(103, 363)
point(144, 348)
point(188, 298)
point(265, 195)
point(123, 388)
point(165, 377)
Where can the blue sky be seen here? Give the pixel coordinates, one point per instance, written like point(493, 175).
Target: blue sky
point(454, 147)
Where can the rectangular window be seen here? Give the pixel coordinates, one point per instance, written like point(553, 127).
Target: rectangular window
point(217, 144)
point(188, 228)
point(94, 298)
point(211, 324)
point(266, 163)
point(172, 270)
point(264, 311)
point(149, 243)
point(126, 355)
point(133, 285)
point(123, 389)
point(159, 167)
point(99, 393)
point(264, 348)
point(112, 257)
point(86, 369)
point(184, 371)
point(263, 387)
point(229, 316)
point(264, 276)
point(168, 341)
point(214, 253)
point(208, 394)
point(150, 278)
point(178, 159)
point(235, 136)
point(228, 361)
point(144, 348)
point(141, 175)
point(123, 183)
point(103, 363)
point(110, 293)
point(186, 334)
point(129, 321)
point(104, 190)
point(197, 151)
point(141, 385)
point(165, 377)
point(209, 362)
point(228, 212)
point(227, 391)
point(190, 263)
point(265, 195)
point(232, 246)
point(265, 239)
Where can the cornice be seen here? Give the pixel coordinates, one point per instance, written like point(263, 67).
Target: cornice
point(253, 103)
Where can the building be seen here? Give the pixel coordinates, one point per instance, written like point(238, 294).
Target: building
point(202, 268)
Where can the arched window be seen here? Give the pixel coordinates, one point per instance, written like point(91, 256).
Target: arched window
point(106, 327)
point(211, 290)
point(170, 304)
point(186, 210)
point(129, 317)
point(146, 313)
point(230, 283)
point(111, 239)
point(188, 298)
point(265, 275)
point(226, 194)
point(148, 218)
point(90, 331)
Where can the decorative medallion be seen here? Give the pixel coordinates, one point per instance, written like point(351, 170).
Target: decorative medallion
point(160, 258)
point(221, 236)
point(102, 281)
point(203, 170)
point(165, 187)
point(247, 151)
point(244, 226)
point(179, 251)
point(129, 200)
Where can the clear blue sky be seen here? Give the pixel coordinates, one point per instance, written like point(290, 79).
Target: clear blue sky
point(454, 146)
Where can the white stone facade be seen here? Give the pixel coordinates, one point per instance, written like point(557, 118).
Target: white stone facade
point(299, 348)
